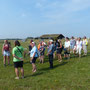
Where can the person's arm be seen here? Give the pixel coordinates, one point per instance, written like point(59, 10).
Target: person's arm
point(49, 51)
point(14, 54)
point(10, 48)
point(2, 49)
point(17, 57)
point(69, 46)
point(60, 45)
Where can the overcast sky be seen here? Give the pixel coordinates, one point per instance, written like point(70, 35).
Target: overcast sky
point(23, 18)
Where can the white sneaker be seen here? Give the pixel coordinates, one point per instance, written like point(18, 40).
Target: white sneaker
point(60, 61)
point(17, 78)
point(34, 71)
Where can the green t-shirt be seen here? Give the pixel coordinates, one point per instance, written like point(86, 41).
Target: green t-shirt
point(17, 53)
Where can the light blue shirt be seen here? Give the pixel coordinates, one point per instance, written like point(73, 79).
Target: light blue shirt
point(51, 48)
point(34, 50)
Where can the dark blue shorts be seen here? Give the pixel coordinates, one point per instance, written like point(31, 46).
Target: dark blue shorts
point(18, 64)
point(34, 60)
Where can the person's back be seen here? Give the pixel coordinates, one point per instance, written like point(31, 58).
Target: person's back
point(18, 51)
point(34, 50)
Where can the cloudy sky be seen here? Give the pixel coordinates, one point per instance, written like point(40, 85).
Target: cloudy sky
point(23, 18)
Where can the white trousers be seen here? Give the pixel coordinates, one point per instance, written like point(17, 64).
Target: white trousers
point(79, 49)
point(85, 49)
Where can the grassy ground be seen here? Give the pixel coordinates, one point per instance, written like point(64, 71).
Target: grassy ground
point(73, 74)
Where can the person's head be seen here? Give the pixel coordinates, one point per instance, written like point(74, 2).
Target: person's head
point(33, 44)
point(17, 43)
point(51, 42)
point(67, 39)
point(6, 41)
point(85, 37)
point(72, 37)
point(79, 38)
point(31, 41)
point(40, 43)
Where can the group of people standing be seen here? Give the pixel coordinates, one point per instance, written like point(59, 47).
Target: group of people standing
point(75, 46)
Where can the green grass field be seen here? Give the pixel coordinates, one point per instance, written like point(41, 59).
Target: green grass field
point(73, 74)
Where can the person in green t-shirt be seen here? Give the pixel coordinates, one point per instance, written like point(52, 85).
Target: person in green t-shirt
point(17, 52)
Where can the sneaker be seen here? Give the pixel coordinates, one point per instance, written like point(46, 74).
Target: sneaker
point(34, 71)
point(30, 62)
point(17, 78)
point(4, 65)
point(60, 60)
point(23, 77)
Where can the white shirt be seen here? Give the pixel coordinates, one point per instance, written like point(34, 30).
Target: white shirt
point(67, 44)
point(79, 44)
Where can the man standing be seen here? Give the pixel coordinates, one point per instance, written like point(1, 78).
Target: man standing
point(50, 53)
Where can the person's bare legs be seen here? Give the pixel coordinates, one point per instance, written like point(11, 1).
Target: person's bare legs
point(22, 72)
point(54, 55)
point(4, 61)
point(42, 59)
point(8, 57)
point(17, 73)
point(34, 67)
point(60, 57)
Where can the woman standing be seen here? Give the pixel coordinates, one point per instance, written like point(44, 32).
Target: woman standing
point(34, 55)
point(6, 52)
point(79, 46)
point(59, 50)
point(18, 59)
point(67, 48)
point(42, 52)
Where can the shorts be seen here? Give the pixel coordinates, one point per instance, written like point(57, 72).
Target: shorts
point(42, 54)
point(59, 51)
point(66, 51)
point(72, 47)
point(18, 64)
point(34, 60)
point(6, 53)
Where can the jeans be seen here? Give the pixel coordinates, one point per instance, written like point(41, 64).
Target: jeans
point(51, 61)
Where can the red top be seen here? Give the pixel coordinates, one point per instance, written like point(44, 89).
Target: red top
point(6, 47)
